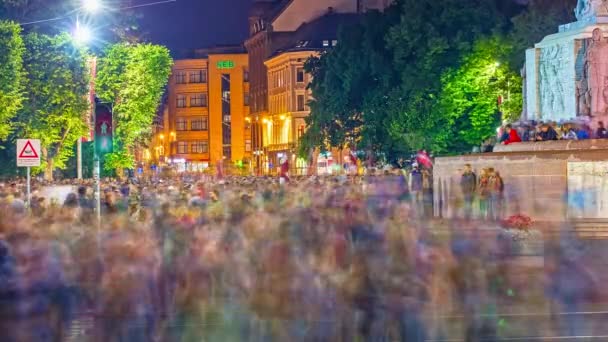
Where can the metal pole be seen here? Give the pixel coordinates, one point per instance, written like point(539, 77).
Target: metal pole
point(29, 189)
point(79, 158)
point(96, 175)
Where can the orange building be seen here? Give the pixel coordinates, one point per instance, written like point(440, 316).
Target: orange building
point(208, 111)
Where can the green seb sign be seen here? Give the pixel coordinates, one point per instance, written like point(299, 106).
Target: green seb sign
point(225, 64)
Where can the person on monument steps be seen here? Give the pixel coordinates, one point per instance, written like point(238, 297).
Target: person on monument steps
point(547, 133)
point(511, 135)
point(601, 132)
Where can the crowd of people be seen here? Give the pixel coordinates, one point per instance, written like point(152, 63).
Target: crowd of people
point(532, 131)
point(250, 259)
point(487, 189)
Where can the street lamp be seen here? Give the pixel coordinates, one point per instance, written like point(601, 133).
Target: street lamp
point(91, 6)
point(82, 34)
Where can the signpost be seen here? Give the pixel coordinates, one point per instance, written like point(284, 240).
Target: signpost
point(28, 155)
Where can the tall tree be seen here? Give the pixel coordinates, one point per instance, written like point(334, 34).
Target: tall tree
point(12, 76)
point(57, 85)
point(541, 18)
point(468, 102)
point(133, 78)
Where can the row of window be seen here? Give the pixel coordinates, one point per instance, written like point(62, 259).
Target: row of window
point(194, 76)
point(196, 147)
point(202, 146)
point(199, 76)
point(196, 100)
point(196, 124)
point(200, 100)
point(278, 104)
point(279, 78)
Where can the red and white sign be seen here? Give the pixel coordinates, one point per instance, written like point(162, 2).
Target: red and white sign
point(28, 152)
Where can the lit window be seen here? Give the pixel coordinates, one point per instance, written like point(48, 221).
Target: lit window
point(334, 42)
point(198, 76)
point(180, 77)
point(198, 100)
point(247, 145)
point(300, 103)
point(200, 147)
point(182, 147)
point(300, 75)
point(325, 43)
point(181, 101)
point(181, 124)
point(199, 124)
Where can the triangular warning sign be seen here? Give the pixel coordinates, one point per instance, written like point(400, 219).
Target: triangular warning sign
point(28, 151)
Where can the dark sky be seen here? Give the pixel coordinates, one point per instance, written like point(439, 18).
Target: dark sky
point(189, 24)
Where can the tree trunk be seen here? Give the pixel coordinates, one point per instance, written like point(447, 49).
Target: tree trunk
point(48, 171)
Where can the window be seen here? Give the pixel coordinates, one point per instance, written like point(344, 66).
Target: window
point(182, 147)
point(181, 124)
point(248, 145)
point(198, 76)
point(226, 118)
point(199, 124)
point(181, 101)
point(245, 75)
point(325, 43)
point(300, 75)
point(334, 42)
point(300, 103)
point(180, 77)
point(300, 131)
point(198, 100)
point(200, 147)
point(246, 99)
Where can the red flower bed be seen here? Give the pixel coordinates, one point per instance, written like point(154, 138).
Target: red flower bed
point(519, 222)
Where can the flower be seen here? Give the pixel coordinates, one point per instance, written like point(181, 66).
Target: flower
point(518, 222)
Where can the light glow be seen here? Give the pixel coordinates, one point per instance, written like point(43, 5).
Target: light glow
point(91, 6)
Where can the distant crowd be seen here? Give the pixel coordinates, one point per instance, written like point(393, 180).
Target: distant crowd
point(545, 131)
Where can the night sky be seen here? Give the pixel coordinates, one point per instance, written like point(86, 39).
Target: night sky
point(189, 24)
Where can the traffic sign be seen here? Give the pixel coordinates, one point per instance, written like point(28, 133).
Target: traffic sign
point(28, 152)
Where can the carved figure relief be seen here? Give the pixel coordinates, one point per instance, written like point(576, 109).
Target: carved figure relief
point(587, 9)
point(552, 80)
point(597, 72)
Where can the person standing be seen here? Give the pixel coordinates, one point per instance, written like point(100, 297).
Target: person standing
point(483, 190)
point(284, 173)
point(601, 132)
point(496, 187)
point(468, 184)
point(416, 188)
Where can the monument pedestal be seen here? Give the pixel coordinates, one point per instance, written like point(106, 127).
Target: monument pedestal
point(551, 181)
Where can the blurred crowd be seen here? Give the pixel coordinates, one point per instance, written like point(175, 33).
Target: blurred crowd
point(250, 259)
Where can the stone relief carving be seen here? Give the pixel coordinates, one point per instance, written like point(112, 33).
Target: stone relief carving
point(597, 72)
point(553, 75)
point(588, 9)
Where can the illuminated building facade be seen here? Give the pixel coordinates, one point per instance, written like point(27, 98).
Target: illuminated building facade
point(207, 116)
point(277, 47)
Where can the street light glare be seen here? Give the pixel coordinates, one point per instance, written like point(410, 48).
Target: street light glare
point(82, 34)
point(91, 6)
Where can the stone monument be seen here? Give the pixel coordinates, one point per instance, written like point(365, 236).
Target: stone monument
point(567, 72)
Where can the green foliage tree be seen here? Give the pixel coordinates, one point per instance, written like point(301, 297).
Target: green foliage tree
point(468, 102)
point(347, 84)
point(133, 78)
point(57, 85)
point(12, 76)
point(539, 19)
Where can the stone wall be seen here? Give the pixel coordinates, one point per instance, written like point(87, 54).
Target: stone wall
point(535, 176)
